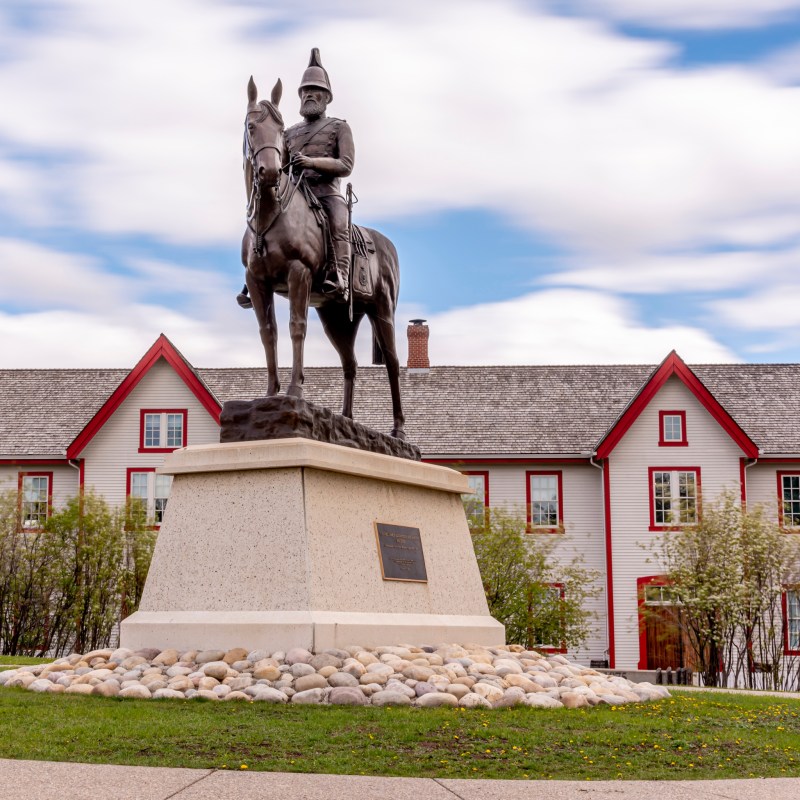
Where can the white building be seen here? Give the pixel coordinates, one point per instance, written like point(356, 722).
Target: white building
point(601, 457)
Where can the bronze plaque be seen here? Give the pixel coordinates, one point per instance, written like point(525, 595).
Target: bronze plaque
point(400, 551)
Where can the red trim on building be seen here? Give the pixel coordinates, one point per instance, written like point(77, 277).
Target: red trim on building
point(785, 611)
point(454, 462)
point(641, 583)
point(779, 474)
point(654, 526)
point(485, 475)
point(49, 476)
point(609, 564)
point(662, 441)
point(529, 526)
point(142, 411)
point(674, 365)
point(34, 462)
point(162, 348)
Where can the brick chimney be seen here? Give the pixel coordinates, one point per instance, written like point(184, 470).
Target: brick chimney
point(418, 333)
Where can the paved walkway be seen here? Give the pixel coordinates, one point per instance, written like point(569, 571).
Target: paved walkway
point(35, 780)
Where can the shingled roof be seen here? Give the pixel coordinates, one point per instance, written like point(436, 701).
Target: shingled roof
point(450, 411)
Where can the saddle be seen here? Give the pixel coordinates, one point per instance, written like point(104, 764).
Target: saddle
point(364, 264)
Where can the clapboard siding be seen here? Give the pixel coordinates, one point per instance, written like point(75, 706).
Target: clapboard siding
point(583, 528)
point(633, 544)
point(762, 486)
point(65, 480)
point(115, 447)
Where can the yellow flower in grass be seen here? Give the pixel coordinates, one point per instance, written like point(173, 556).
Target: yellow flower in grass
point(243, 766)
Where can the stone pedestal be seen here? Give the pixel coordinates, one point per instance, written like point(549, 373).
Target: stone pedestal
point(272, 545)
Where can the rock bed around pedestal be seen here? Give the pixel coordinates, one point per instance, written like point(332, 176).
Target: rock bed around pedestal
point(425, 677)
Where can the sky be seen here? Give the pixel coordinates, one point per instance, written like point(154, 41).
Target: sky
point(566, 181)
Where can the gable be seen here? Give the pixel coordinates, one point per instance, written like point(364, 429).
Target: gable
point(674, 366)
point(162, 351)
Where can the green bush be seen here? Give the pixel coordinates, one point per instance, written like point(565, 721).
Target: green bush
point(65, 587)
point(539, 600)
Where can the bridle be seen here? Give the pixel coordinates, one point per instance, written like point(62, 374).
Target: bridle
point(282, 195)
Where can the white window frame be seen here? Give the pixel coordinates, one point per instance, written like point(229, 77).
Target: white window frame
point(35, 500)
point(156, 491)
point(158, 428)
point(790, 519)
point(475, 504)
point(793, 621)
point(670, 508)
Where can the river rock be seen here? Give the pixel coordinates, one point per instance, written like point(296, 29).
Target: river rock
point(312, 681)
point(297, 655)
point(216, 669)
point(436, 699)
point(347, 696)
point(209, 656)
point(136, 692)
point(339, 679)
point(309, 696)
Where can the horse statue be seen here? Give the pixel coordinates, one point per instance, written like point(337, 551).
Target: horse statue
point(284, 252)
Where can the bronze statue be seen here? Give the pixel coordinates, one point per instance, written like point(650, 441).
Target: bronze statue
point(290, 178)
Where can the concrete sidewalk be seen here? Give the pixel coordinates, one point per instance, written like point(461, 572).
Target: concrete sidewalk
point(43, 780)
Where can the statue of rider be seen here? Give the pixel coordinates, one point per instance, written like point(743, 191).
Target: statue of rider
point(322, 148)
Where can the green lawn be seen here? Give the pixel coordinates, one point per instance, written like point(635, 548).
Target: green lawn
point(690, 736)
point(8, 662)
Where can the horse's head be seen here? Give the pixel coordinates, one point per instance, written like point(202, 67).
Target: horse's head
point(263, 136)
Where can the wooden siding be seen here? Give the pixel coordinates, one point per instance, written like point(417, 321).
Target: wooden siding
point(583, 528)
point(65, 480)
point(116, 445)
point(708, 448)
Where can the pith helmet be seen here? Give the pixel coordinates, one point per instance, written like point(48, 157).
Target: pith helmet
point(315, 74)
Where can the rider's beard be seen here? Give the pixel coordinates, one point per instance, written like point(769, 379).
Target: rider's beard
point(311, 108)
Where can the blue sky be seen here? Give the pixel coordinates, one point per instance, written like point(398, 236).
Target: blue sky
point(566, 181)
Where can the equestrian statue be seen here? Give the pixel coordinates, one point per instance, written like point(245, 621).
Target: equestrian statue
point(300, 241)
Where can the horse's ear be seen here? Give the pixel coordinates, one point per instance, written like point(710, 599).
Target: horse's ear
point(252, 92)
point(277, 91)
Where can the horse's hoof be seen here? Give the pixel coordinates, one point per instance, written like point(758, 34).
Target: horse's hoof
point(243, 300)
point(398, 433)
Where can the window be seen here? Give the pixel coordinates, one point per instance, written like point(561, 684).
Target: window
point(152, 489)
point(162, 430)
point(791, 600)
point(674, 496)
point(789, 499)
point(545, 503)
point(672, 428)
point(35, 497)
point(477, 502)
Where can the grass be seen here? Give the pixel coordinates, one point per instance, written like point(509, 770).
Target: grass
point(689, 736)
point(8, 662)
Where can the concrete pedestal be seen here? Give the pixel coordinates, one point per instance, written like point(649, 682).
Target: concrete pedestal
point(272, 545)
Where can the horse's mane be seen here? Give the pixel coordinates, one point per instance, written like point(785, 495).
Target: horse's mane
point(271, 110)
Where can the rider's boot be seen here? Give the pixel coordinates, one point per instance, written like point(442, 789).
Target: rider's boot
point(243, 298)
point(337, 282)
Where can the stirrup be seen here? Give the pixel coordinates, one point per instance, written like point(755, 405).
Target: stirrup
point(333, 289)
point(244, 300)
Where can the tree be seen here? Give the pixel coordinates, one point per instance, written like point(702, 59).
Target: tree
point(540, 601)
point(728, 573)
point(66, 586)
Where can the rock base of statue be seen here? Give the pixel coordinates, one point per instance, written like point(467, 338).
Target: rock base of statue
point(284, 417)
point(296, 543)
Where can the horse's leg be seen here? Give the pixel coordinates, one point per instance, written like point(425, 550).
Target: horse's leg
point(264, 306)
point(342, 332)
point(382, 318)
point(299, 280)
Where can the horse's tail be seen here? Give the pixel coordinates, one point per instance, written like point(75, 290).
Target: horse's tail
point(377, 353)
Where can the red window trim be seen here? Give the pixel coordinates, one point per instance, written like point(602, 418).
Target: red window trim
point(563, 648)
point(641, 584)
point(650, 471)
point(529, 526)
point(785, 612)
point(485, 474)
point(143, 411)
point(662, 442)
point(779, 478)
point(27, 474)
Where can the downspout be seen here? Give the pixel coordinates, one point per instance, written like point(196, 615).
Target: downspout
point(603, 512)
point(747, 466)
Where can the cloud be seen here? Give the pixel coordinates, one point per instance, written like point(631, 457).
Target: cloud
point(706, 272)
point(613, 152)
point(774, 308)
point(562, 327)
point(684, 14)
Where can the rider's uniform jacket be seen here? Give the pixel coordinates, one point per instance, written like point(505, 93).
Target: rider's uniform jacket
point(333, 139)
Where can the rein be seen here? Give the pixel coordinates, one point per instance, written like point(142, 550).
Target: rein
point(282, 196)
